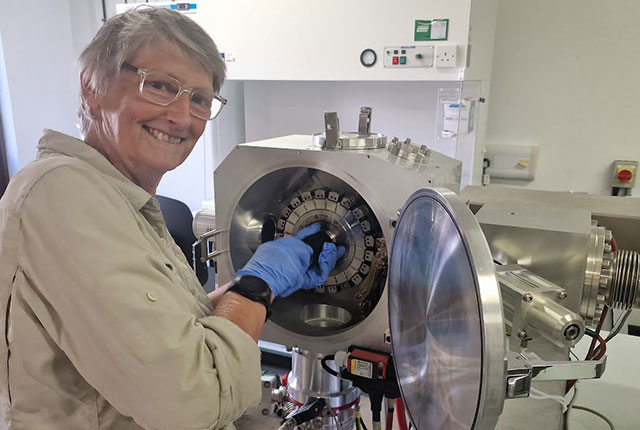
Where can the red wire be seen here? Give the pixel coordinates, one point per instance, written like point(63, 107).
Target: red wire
point(598, 328)
point(402, 417)
point(592, 347)
point(614, 244)
point(389, 425)
point(603, 349)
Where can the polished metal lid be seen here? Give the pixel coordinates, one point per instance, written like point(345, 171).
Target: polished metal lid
point(445, 315)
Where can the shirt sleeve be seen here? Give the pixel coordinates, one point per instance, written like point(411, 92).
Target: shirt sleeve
point(110, 301)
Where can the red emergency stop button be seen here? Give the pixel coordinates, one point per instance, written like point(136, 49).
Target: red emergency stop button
point(624, 175)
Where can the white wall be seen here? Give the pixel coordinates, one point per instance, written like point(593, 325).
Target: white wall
point(401, 109)
point(565, 78)
point(41, 75)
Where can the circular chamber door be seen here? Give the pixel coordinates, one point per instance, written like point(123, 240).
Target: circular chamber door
point(445, 316)
point(285, 201)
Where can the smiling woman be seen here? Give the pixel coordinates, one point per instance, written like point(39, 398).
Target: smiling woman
point(107, 327)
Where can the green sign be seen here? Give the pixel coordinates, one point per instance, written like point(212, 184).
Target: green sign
point(435, 29)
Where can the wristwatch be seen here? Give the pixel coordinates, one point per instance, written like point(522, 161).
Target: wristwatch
point(253, 288)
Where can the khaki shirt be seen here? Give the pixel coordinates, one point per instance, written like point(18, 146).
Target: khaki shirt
point(106, 325)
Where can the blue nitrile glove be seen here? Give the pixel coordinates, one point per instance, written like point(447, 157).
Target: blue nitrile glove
point(284, 263)
point(317, 275)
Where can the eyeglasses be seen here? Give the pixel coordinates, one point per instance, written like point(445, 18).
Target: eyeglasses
point(162, 89)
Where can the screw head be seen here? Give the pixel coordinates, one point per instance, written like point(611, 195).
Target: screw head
point(562, 294)
point(380, 364)
point(527, 298)
point(522, 335)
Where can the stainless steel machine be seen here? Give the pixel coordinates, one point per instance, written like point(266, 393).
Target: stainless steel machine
point(458, 311)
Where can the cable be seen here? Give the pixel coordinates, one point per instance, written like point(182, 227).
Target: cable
point(597, 353)
point(592, 354)
point(364, 426)
point(541, 395)
point(565, 424)
point(335, 419)
point(618, 325)
point(402, 417)
point(389, 417)
point(605, 309)
point(326, 367)
point(358, 419)
point(375, 399)
point(614, 244)
point(596, 413)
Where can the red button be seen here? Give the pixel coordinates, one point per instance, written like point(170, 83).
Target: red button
point(395, 60)
point(625, 175)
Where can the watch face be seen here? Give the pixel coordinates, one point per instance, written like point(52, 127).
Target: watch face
point(368, 57)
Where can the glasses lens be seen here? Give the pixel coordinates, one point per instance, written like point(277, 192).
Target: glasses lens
point(160, 88)
point(203, 104)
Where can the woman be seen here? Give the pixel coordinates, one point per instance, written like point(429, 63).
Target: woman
point(106, 325)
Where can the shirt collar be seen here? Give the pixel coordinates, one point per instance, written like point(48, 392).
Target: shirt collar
point(53, 142)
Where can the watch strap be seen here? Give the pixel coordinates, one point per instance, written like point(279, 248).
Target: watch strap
point(254, 289)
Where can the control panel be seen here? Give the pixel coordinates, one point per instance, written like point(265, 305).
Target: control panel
point(408, 56)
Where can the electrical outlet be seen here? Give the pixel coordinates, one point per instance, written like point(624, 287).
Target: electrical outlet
point(446, 56)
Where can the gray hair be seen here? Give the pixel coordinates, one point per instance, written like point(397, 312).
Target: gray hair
point(122, 36)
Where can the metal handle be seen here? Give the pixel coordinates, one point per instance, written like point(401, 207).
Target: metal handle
point(364, 121)
point(331, 131)
point(525, 367)
point(203, 241)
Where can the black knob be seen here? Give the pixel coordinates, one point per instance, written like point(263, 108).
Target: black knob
point(317, 241)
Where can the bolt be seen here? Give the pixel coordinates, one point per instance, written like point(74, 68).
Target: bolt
point(522, 335)
point(380, 364)
point(528, 298)
point(265, 412)
point(572, 332)
point(266, 384)
point(562, 294)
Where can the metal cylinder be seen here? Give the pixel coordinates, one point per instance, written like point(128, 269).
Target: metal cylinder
point(203, 221)
point(555, 322)
point(308, 379)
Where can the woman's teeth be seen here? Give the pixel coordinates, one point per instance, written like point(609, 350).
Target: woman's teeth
point(163, 137)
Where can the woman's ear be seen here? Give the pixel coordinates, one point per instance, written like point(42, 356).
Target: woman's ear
point(89, 95)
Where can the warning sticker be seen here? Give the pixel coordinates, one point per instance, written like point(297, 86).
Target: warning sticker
point(362, 368)
point(435, 29)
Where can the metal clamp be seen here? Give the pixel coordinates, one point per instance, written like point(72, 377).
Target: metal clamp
point(364, 121)
point(331, 131)
point(204, 241)
point(525, 367)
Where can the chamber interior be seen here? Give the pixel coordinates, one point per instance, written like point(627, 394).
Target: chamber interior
point(287, 200)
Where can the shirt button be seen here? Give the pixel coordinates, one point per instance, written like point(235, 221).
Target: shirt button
point(151, 297)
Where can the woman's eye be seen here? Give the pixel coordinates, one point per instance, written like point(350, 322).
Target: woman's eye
point(158, 85)
point(201, 100)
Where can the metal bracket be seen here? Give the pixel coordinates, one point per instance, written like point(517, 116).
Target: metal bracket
point(331, 131)
point(204, 241)
point(525, 367)
point(364, 122)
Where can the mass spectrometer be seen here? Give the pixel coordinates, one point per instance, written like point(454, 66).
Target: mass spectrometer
point(452, 311)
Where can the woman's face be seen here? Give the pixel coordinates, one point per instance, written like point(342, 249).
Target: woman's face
point(144, 140)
